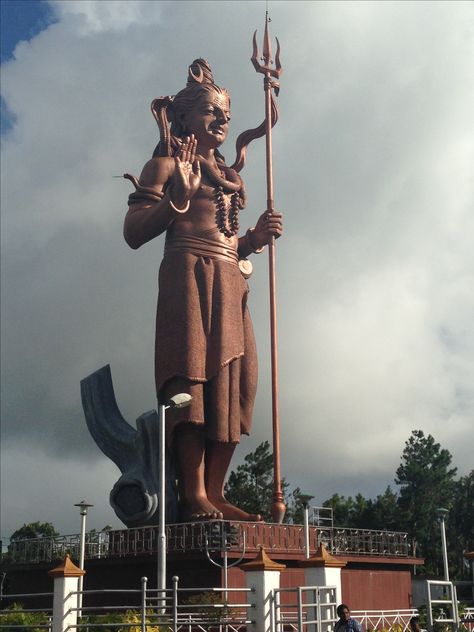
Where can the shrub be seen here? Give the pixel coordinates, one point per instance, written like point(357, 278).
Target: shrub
point(117, 621)
point(15, 615)
point(205, 606)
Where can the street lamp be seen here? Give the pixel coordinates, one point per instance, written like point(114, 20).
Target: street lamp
point(181, 400)
point(442, 513)
point(83, 506)
point(306, 530)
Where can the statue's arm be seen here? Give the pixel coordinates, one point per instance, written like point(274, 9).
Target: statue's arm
point(268, 225)
point(149, 217)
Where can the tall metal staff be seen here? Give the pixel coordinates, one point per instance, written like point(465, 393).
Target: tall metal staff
point(269, 83)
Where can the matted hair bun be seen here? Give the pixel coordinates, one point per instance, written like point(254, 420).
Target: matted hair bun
point(200, 72)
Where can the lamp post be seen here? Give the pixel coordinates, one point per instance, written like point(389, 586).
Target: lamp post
point(181, 400)
point(442, 513)
point(306, 531)
point(83, 506)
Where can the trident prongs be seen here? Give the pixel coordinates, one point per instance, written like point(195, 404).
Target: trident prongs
point(266, 68)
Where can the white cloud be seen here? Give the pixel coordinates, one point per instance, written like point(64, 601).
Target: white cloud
point(89, 17)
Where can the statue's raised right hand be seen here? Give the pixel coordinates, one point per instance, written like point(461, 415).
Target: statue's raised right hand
point(187, 173)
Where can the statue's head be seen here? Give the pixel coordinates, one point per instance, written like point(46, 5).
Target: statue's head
point(186, 113)
point(200, 89)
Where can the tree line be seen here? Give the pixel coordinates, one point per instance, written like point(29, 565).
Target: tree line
point(425, 481)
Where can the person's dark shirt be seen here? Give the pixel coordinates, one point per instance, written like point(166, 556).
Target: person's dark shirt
point(351, 625)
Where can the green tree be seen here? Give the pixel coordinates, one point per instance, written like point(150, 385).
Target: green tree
point(426, 483)
point(385, 513)
point(15, 617)
point(342, 510)
point(350, 512)
point(364, 513)
point(460, 524)
point(250, 487)
point(296, 503)
point(34, 530)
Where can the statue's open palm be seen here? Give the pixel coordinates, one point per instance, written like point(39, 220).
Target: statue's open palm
point(187, 173)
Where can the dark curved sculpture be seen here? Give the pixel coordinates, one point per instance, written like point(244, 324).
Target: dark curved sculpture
point(135, 496)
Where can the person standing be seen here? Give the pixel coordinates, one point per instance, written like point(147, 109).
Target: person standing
point(346, 623)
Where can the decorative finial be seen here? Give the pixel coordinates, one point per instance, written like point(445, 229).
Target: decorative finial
point(266, 67)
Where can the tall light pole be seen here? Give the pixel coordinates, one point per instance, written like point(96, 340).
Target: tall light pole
point(442, 513)
point(83, 506)
point(181, 400)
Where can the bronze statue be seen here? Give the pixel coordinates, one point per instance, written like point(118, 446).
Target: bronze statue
point(204, 338)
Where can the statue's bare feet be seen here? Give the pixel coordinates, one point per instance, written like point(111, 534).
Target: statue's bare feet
point(199, 509)
point(231, 512)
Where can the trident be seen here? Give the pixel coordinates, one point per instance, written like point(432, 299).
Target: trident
point(269, 84)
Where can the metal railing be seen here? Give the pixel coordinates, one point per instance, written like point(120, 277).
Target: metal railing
point(306, 609)
point(466, 618)
point(321, 517)
point(17, 616)
point(186, 537)
point(211, 611)
point(371, 542)
point(442, 604)
point(385, 619)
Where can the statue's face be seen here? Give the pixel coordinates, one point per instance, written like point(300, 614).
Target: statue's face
point(209, 120)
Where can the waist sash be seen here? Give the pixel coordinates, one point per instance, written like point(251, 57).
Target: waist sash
point(202, 248)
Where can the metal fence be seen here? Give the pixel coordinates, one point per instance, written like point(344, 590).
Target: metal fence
point(18, 616)
point(385, 619)
point(174, 611)
point(191, 537)
point(467, 619)
point(306, 609)
point(442, 604)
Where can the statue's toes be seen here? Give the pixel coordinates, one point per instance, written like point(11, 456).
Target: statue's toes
point(216, 515)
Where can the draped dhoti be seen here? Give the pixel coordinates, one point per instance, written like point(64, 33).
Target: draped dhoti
point(204, 339)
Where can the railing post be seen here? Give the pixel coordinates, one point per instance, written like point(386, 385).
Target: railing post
point(300, 608)
point(263, 576)
point(175, 580)
point(143, 609)
point(65, 595)
point(327, 604)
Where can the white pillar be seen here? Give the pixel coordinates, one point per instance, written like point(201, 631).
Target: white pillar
point(65, 595)
point(323, 569)
point(263, 576)
point(324, 576)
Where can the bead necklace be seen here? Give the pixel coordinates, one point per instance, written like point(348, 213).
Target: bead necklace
point(227, 215)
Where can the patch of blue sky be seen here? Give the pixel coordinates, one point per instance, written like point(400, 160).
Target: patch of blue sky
point(20, 20)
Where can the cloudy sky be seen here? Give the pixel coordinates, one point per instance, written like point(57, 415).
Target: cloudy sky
point(373, 159)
